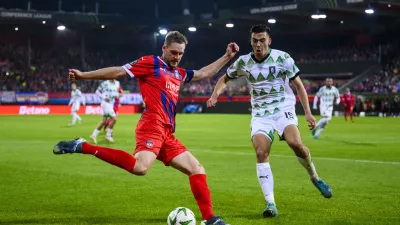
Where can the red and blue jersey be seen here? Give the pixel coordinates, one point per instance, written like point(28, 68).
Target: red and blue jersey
point(159, 86)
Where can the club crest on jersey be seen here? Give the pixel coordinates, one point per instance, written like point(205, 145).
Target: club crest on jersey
point(272, 69)
point(149, 143)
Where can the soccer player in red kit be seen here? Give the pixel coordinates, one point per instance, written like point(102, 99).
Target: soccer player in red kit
point(160, 79)
point(348, 100)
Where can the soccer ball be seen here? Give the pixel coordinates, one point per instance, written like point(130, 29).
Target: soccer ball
point(181, 216)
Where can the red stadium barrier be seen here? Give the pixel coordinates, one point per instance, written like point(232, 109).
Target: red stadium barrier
point(60, 109)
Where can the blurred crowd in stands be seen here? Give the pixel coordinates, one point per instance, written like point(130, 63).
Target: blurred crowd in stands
point(48, 70)
point(384, 80)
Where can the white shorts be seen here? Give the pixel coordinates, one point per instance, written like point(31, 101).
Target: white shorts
point(326, 112)
point(75, 107)
point(108, 109)
point(267, 125)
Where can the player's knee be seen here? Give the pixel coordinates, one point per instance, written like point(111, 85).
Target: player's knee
point(197, 169)
point(261, 153)
point(295, 144)
point(140, 170)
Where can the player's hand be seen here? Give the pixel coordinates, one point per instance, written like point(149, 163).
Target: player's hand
point(231, 50)
point(107, 99)
point(75, 75)
point(311, 121)
point(211, 102)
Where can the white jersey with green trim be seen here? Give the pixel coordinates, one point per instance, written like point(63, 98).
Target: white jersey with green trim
point(327, 97)
point(76, 97)
point(269, 81)
point(108, 89)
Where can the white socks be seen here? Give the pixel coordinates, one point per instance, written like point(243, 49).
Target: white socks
point(95, 133)
point(109, 132)
point(319, 131)
point(309, 166)
point(266, 180)
point(322, 123)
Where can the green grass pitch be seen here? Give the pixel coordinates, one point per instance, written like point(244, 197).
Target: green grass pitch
point(360, 161)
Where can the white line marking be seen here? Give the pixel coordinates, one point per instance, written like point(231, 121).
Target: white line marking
point(287, 156)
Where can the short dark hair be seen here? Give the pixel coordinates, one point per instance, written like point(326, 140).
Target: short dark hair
point(175, 37)
point(260, 28)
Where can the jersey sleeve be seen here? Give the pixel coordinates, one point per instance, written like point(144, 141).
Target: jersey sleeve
point(187, 75)
point(291, 70)
point(140, 67)
point(236, 70)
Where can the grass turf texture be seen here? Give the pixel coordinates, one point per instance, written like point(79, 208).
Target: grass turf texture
point(38, 187)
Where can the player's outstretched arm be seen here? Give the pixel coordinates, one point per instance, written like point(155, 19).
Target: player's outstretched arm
point(210, 70)
point(108, 73)
point(301, 92)
point(219, 88)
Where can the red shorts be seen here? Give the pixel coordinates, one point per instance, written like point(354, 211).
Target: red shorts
point(348, 108)
point(116, 110)
point(158, 138)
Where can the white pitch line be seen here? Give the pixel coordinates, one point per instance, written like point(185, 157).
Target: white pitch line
point(286, 156)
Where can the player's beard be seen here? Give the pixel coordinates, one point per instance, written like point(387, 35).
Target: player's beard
point(173, 63)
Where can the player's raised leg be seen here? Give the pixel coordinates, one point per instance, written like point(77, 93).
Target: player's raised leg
point(262, 145)
point(293, 139)
point(138, 164)
point(189, 165)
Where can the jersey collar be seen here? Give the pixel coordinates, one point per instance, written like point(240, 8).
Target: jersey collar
point(263, 59)
point(166, 66)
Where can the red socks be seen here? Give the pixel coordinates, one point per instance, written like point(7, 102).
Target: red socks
point(126, 161)
point(201, 193)
point(345, 115)
point(115, 157)
point(351, 116)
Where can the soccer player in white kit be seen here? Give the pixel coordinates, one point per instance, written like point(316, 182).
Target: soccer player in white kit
point(327, 95)
point(108, 92)
point(268, 72)
point(76, 100)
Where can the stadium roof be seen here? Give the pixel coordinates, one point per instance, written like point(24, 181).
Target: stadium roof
point(292, 17)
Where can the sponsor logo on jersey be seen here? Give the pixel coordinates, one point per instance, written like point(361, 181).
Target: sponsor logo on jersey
point(172, 87)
